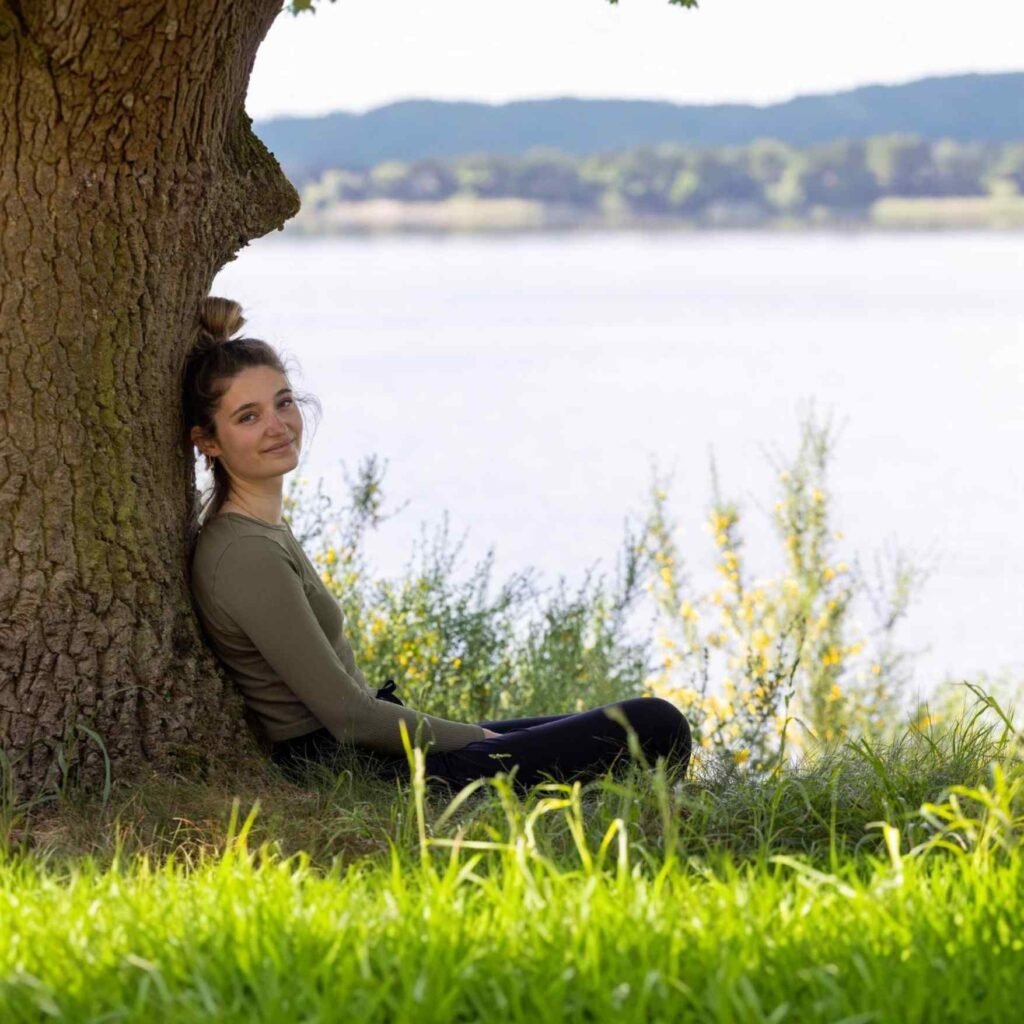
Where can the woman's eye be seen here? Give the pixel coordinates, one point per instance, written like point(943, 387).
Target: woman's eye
point(288, 401)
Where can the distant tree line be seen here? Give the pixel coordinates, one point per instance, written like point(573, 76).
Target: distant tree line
point(766, 178)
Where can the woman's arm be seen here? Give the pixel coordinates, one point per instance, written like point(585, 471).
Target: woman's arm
point(258, 586)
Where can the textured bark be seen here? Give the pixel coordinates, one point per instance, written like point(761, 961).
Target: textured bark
point(129, 177)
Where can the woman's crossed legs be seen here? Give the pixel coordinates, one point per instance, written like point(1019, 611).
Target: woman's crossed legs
point(580, 745)
point(563, 747)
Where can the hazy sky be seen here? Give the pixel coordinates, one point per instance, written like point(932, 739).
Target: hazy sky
point(358, 54)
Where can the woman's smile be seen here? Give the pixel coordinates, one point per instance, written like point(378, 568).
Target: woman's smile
point(281, 448)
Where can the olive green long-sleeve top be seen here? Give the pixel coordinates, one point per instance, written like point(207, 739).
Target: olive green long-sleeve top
point(280, 634)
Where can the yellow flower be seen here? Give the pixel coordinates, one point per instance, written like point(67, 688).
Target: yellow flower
point(876, 669)
point(456, 662)
point(666, 576)
point(721, 521)
point(842, 567)
point(760, 640)
point(835, 693)
point(828, 573)
point(688, 612)
point(742, 756)
point(817, 496)
point(831, 657)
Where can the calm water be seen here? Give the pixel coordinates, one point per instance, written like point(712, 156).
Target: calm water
point(528, 386)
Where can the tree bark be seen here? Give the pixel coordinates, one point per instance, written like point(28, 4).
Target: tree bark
point(130, 175)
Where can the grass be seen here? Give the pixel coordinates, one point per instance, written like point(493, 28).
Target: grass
point(867, 883)
point(526, 940)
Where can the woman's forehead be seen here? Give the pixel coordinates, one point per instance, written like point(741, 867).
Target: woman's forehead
point(254, 382)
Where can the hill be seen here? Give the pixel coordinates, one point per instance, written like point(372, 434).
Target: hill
point(967, 108)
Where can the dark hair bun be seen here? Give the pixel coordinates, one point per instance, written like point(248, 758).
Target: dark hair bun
point(219, 320)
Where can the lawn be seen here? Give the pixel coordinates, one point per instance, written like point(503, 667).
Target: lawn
point(868, 883)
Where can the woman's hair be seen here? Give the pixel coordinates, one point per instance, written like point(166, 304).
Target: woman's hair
point(214, 361)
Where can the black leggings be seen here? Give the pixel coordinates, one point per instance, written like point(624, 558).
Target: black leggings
point(549, 748)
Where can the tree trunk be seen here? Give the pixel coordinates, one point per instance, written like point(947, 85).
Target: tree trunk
point(129, 177)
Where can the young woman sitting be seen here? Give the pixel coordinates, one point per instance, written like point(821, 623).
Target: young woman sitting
point(280, 633)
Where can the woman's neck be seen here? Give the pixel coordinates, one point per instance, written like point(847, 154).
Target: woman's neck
point(260, 506)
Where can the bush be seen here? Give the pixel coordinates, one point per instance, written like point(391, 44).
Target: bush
point(794, 674)
point(793, 677)
point(453, 650)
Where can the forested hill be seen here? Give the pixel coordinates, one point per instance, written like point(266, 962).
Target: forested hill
point(968, 108)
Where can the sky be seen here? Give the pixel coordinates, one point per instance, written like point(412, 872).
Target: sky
point(354, 56)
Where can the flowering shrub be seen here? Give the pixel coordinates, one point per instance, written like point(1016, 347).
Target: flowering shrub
point(792, 672)
point(452, 650)
point(787, 672)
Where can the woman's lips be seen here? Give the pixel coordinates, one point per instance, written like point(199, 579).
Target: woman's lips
point(281, 448)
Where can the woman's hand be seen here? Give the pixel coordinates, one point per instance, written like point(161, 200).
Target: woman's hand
point(488, 734)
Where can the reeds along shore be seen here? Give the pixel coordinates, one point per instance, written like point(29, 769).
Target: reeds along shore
point(469, 214)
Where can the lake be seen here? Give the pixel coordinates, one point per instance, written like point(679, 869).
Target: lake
point(528, 384)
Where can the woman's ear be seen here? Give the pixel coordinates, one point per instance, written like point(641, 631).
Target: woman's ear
point(206, 446)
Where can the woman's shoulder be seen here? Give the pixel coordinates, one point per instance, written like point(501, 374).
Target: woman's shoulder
point(232, 534)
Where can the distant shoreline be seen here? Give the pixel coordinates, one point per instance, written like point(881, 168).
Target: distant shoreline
point(474, 215)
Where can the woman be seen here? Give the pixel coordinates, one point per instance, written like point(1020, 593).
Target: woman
point(280, 633)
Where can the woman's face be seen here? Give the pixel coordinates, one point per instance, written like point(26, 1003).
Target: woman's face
point(259, 428)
